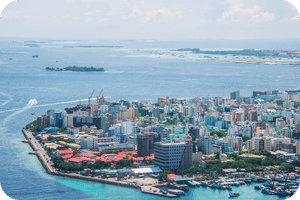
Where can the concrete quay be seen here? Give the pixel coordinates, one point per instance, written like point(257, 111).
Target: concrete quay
point(156, 191)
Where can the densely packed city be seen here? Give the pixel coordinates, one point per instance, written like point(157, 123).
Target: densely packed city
point(219, 142)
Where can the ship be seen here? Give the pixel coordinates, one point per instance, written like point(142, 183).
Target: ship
point(35, 56)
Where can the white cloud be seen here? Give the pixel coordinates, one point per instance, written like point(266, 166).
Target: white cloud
point(151, 18)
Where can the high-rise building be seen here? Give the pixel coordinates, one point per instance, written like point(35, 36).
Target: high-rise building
point(298, 148)
point(145, 143)
point(206, 147)
point(235, 95)
point(56, 117)
point(173, 156)
point(257, 144)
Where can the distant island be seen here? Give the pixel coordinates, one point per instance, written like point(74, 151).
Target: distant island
point(76, 69)
point(248, 52)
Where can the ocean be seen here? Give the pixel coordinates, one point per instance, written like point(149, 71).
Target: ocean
point(135, 70)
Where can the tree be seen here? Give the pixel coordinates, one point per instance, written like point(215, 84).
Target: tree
point(75, 152)
point(217, 156)
point(218, 133)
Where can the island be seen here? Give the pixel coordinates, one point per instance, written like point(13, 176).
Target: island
point(248, 52)
point(250, 56)
point(158, 144)
point(76, 69)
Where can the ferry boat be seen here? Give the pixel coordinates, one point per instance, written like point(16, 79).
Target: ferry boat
point(234, 194)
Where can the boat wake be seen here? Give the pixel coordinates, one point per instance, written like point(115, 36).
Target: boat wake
point(33, 103)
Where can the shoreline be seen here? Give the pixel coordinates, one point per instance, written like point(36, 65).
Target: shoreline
point(265, 62)
point(50, 170)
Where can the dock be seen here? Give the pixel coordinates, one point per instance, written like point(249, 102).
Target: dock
point(156, 191)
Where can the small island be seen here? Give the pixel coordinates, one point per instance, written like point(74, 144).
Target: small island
point(76, 69)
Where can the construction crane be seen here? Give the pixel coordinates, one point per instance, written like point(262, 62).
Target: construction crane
point(98, 97)
point(91, 97)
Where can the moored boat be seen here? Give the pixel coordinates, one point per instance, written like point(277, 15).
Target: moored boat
point(257, 187)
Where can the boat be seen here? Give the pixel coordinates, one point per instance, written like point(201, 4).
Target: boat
point(234, 194)
point(248, 181)
point(177, 192)
point(204, 184)
point(268, 183)
point(265, 191)
point(257, 187)
point(229, 188)
point(213, 185)
point(190, 183)
point(179, 186)
point(32, 113)
point(35, 56)
point(281, 193)
point(197, 183)
point(236, 184)
point(221, 187)
point(258, 179)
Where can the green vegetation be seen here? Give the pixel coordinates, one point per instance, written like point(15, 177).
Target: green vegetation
point(76, 69)
point(252, 164)
point(112, 151)
point(163, 176)
point(125, 163)
point(60, 164)
point(33, 127)
point(218, 133)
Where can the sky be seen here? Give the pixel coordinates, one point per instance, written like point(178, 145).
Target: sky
point(151, 19)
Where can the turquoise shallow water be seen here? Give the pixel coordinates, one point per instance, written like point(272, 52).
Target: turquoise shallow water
point(127, 76)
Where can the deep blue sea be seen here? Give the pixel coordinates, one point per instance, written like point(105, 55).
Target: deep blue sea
point(137, 71)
